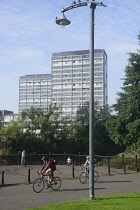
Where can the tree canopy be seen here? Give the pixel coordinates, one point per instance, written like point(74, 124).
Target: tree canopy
point(124, 126)
point(41, 131)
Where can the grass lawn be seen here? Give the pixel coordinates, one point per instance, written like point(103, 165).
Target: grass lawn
point(127, 201)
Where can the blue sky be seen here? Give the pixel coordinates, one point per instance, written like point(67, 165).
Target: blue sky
point(29, 36)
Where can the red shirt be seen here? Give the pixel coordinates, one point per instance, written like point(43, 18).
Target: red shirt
point(48, 165)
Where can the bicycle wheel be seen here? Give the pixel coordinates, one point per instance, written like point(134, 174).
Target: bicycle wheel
point(38, 185)
point(83, 177)
point(96, 176)
point(55, 183)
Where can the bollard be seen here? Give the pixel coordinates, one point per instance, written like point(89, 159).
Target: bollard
point(108, 160)
point(2, 179)
point(19, 158)
point(64, 158)
point(34, 158)
point(29, 181)
point(73, 171)
point(136, 160)
point(123, 163)
point(79, 159)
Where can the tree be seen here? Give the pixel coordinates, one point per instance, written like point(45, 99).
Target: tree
point(124, 127)
point(102, 143)
point(45, 124)
point(10, 136)
point(34, 131)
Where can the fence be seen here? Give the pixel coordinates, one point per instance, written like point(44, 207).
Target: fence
point(125, 163)
point(35, 159)
point(107, 162)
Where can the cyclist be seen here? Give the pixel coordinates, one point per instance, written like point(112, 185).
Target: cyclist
point(48, 167)
point(87, 163)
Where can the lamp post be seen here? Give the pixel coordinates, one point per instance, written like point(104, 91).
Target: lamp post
point(63, 21)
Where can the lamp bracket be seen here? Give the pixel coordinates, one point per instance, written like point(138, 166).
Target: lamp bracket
point(85, 3)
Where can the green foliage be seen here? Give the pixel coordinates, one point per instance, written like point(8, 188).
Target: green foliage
point(102, 143)
point(124, 127)
point(117, 161)
point(34, 131)
point(39, 130)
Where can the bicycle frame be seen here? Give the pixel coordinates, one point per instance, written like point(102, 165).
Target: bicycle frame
point(41, 182)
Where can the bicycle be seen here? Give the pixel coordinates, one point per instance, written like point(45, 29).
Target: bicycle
point(3, 162)
point(39, 183)
point(85, 175)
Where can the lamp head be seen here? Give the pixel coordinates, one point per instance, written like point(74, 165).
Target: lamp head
point(62, 21)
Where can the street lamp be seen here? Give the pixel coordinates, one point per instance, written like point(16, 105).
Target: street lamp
point(63, 21)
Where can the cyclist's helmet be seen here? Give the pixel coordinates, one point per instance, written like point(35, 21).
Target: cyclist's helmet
point(87, 157)
point(44, 158)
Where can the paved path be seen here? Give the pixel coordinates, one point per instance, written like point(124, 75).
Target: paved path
point(18, 195)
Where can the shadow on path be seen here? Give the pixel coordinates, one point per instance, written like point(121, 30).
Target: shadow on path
point(83, 189)
point(113, 181)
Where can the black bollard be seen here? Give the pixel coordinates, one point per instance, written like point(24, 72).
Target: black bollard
point(34, 158)
point(2, 179)
point(136, 160)
point(108, 160)
point(123, 164)
point(29, 180)
point(73, 171)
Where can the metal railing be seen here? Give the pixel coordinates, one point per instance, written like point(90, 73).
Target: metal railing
point(78, 159)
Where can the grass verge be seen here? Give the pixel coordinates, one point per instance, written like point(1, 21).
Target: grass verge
point(127, 201)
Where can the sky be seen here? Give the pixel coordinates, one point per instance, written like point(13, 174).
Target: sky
point(29, 36)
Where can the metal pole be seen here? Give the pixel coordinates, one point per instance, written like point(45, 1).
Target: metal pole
point(136, 160)
point(63, 21)
point(73, 171)
point(34, 158)
point(29, 177)
point(79, 158)
point(2, 179)
point(91, 110)
point(108, 160)
point(123, 163)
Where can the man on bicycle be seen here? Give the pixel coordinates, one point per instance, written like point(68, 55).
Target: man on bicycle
point(48, 167)
point(87, 163)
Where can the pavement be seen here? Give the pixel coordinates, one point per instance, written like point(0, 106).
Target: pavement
point(17, 193)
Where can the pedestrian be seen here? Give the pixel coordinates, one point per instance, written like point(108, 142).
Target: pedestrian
point(23, 158)
point(68, 161)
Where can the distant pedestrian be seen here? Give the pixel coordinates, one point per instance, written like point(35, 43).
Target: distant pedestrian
point(23, 158)
point(68, 161)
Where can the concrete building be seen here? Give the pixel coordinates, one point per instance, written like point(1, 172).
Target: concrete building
point(71, 79)
point(6, 116)
point(35, 90)
point(69, 84)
